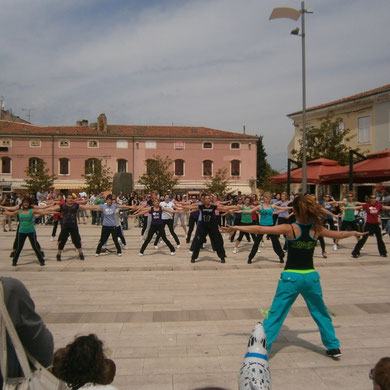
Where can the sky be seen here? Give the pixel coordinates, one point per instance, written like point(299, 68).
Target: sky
point(214, 63)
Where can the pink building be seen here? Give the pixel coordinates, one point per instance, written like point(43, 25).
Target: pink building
point(197, 152)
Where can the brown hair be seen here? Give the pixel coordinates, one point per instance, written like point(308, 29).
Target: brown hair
point(382, 373)
point(306, 208)
point(83, 361)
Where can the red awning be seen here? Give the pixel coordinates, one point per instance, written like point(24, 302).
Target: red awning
point(314, 170)
point(373, 170)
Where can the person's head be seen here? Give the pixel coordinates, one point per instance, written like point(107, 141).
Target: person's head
point(239, 200)
point(26, 203)
point(277, 196)
point(372, 199)
point(350, 196)
point(267, 197)
point(283, 196)
point(178, 198)
point(156, 203)
point(69, 199)
point(109, 200)
point(247, 200)
point(307, 211)
point(166, 198)
point(60, 196)
point(83, 361)
point(380, 374)
point(207, 200)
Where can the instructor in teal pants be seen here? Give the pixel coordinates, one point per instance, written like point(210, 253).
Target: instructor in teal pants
point(299, 275)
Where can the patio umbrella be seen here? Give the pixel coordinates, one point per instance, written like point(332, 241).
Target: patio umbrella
point(375, 169)
point(314, 169)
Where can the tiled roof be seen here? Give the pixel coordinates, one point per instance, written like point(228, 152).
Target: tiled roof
point(9, 128)
point(371, 92)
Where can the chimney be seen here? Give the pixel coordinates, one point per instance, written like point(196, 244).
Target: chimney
point(102, 123)
point(84, 122)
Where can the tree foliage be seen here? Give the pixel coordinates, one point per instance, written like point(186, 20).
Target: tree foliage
point(158, 177)
point(218, 184)
point(98, 177)
point(38, 177)
point(264, 170)
point(328, 141)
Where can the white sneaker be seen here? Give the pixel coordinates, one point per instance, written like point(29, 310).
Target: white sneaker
point(51, 238)
point(190, 252)
point(141, 254)
point(156, 247)
point(335, 247)
point(234, 250)
point(259, 250)
point(119, 254)
point(262, 244)
point(172, 253)
point(97, 254)
point(178, 246)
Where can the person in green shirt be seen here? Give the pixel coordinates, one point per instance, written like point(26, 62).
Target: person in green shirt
point(27, 217)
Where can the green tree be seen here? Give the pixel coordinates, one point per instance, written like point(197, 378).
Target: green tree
point(98, 176)
point(38, 177)
point(328, 141)
point(158, 177)
point(218, 183)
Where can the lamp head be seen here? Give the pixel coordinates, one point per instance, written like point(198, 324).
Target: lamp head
point(295, 31)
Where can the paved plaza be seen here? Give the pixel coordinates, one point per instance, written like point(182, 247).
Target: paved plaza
point(173, 325)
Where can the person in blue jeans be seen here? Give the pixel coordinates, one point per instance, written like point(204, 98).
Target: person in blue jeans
point(299, 275)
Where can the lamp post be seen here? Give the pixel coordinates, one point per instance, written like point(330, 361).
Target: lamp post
point(292, 13)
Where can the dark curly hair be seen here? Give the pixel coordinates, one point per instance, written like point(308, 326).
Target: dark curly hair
point(83, 361)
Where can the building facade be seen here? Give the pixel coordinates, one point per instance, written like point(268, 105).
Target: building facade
point(366, 114)
point(196, 152)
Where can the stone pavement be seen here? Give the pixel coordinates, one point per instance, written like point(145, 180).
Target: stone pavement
point(173, 325)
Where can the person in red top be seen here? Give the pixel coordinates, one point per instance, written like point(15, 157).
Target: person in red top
point(57, 218)
point(372, 226)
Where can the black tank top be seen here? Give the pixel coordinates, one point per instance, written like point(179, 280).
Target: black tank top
point(207, 213)
point(300, 250)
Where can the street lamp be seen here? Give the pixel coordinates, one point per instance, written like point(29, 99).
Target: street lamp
point(292, 13)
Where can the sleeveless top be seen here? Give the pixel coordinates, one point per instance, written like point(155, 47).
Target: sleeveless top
point(266, 216)
point(300, 250)
point(69, 219)
point(246, 217)
point(157, 216)
point(349, 214)
point(26, 222)
point(207, 213)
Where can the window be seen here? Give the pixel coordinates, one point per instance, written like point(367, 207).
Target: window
point(122, 165)
point(64, 166)
point(122, 144)
point(93, 143)
point(207, 145)
point(364, 123)
point(179, 145)
point(6, 142)
point(149, 165)
point(150, 145)
point(235, 168)
point(33, 163)
point(35, 143)
point(63, 143)
point(5, 165)
point(179, 167)
point(235, 145)
point(207, 168)
point(90, 165)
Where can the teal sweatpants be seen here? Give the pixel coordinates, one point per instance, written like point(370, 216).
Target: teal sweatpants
point(308, 285)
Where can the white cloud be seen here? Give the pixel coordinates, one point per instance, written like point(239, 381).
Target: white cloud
point(215, 63)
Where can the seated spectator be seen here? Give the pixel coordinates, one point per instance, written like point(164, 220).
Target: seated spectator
point(32, 332)
point(83, 365)
point(380, 374)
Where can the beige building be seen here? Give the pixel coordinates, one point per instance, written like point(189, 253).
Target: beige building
point(366, 114)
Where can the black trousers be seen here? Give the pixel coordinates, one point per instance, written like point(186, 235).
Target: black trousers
point(159, 229)
point(55, 226)
point(169, 223)
point(211, 229)
point(374, 229)
point(74, 233)
point(275, 245)
point(15, 244)
point(246, 234)
point(191, 223)
point(144, 224)
point(106, 232)
point(21, 238)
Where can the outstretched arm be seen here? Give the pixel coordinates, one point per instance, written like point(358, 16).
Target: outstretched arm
point(257, 229)
point(340, 234)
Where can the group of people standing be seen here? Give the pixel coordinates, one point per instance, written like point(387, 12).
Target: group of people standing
point(206, 212)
